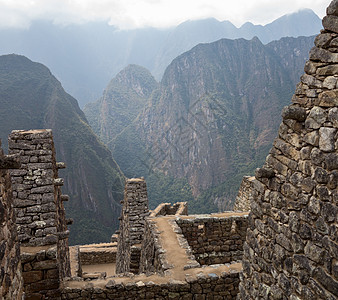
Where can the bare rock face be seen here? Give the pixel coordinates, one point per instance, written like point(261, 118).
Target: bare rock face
point(216, 109)
point(291, 246)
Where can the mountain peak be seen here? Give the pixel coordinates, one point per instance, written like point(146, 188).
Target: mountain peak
point(135, 76)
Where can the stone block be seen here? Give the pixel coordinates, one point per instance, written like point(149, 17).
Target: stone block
point(330, 23)
point(32, 276)
point(44, 265)
point(327, 138)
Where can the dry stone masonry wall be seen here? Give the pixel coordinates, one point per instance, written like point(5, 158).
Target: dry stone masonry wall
point(244, 195)
point(40, 215)
point(164, 209)
point(152, 258)
point(291, 249)
point(211, 286)
point(11, 281)
point(36, 188)
point(215, 240)
point(132, 225)
point(41, 272)
point(97, 253)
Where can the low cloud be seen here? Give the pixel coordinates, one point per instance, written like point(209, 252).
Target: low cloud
point(128, 14)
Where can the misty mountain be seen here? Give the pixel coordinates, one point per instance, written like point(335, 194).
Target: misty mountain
point(32, 98)
point(212, 119)
point(85, 57)
point(122, 100)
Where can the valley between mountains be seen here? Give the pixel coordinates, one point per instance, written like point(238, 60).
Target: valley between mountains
point(193, 133)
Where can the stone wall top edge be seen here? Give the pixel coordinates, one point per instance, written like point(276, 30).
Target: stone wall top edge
point(232, 215)
point(35, 249)
point(135, 180)
point(130, 279)
point(31, 131)
point(30, 134)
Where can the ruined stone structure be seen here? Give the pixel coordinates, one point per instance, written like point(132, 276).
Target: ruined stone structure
point(286, 248)
point(215, 240)
point(177, 209)
point(168, 268)
point(11, 282)
point(132, 224)
point(40, 215)
point(291, 249)
point(244, 196)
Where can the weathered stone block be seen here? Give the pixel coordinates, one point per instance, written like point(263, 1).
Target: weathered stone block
point(327, 138)
point(44, 265)
point(312, 81)
point(312, 138)
point(325, 280)
point(332, 9)
point(318, 54)
point(328, 98)
point(316, 118)
point(294, 113)
point(32, 276)
point(330, 23)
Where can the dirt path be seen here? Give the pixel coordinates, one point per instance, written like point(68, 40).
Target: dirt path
point(175, 254)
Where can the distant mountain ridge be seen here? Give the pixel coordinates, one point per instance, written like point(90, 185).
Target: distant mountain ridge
point(32, 98)
point(122, 100)
point(85, 57)
point(213, 117)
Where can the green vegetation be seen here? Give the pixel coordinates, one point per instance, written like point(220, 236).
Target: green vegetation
point(230, 91)
point(31, 98)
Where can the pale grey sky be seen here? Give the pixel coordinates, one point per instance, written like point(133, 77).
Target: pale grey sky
point(128, 14)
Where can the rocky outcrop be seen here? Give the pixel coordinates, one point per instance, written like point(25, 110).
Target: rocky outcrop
point(121, 102)
point(291, 248)
point(214, 116)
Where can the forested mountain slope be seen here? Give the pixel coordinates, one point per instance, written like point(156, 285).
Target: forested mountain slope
point(32, 98)
point(212, 120)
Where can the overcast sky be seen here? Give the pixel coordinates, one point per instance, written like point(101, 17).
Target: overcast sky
point(128, 14)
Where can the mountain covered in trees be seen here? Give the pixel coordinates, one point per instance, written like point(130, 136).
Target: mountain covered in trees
point(211, 120)
point(32, 98)
point(85, 57)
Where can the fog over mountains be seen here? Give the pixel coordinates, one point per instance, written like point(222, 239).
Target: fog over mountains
point(32, 98)
point(187, 107)
point(85, 57)
point(211, 120)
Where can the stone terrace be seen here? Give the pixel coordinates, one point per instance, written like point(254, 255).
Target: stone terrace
point(177, 276)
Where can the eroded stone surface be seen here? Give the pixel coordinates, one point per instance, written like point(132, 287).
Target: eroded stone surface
point(289, 251)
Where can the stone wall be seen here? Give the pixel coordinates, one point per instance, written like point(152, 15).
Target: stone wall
point(164, 209)
point(152, 258)
point(98, 254)
point(38, 204)
point(41, 272)
point(210, 286)
point(244, 196)
point(132, 223)
point(213, 239)
point(11, 281)
point(291, 249)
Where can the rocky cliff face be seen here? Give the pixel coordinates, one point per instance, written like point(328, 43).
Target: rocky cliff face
point(210, 121)
point(216, 111)
point(122, 101)
point(32, 98)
